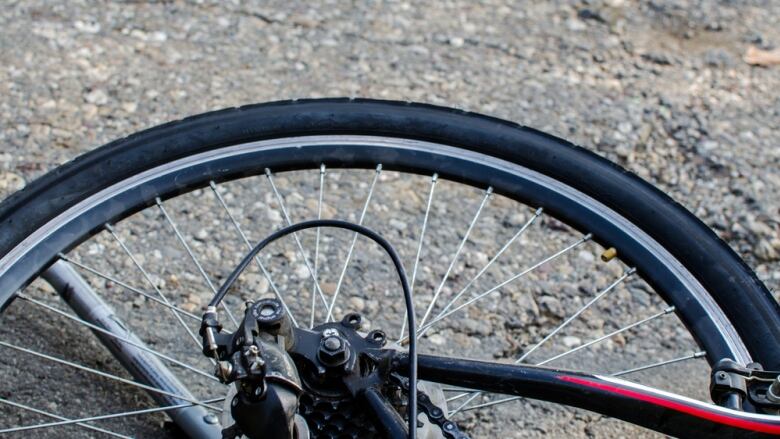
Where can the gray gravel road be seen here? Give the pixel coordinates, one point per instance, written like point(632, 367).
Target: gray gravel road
point(659, 86)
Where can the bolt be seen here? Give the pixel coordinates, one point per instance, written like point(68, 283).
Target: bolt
point(328, 332)
point(722, 375)
point(333, 351)
point(332, 343)
point(224, 368)
point(211, 419)
point(773, 392)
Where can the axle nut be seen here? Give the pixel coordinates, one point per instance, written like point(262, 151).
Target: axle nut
point(333, 351)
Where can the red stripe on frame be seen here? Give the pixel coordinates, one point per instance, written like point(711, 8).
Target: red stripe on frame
point(745, 424)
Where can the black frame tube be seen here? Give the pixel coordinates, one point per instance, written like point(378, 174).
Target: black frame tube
point(386, 416)
point(657, 410)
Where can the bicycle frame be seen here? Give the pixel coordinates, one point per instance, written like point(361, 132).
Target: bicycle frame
point(652, 408)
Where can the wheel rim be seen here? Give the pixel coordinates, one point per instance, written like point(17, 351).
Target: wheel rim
point(112, 204)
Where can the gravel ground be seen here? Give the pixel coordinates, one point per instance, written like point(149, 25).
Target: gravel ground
point(658, 86)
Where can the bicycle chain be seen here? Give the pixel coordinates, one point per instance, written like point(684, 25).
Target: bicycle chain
point(434, 414)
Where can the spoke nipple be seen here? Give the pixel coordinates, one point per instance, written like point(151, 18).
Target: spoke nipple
point(268, 172)
point(213, 185)
point(669, 310)
point(539, 211)
point(587, 237)
point(435, 176)
point(699, 354)
point(322, 168)
point(631, 271)
point(108, 227)
point(609, 254)
point(489, 190)
point(158, 201)
point(379, 168)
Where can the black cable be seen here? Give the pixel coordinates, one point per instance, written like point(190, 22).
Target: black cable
point(411, 320)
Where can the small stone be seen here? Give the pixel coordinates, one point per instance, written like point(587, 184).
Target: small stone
point(257, 283)
point(571, 341)
point(576, 24)
point(11, 182)
point(357, 304)
point(301, 271)
point(766, 251)
point(328, 287)
point(274, 216)
point(586, 256)
point(398, 225)
point(437, 339)
point(551, 305)
point(97, 97)
point(88, 27)
point(202, 235)
point(479, 259)
point(457, 42)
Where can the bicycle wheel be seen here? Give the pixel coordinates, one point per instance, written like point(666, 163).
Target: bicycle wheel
point(498, 225)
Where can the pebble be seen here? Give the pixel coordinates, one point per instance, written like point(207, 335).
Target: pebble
point(571, 341)
point(357, 304)
point(257, 283)
point(97, 97)
point(10, 182)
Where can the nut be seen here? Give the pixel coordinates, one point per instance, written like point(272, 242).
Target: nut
point(334, 351)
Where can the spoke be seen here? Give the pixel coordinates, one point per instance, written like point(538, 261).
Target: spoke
point(489, 403)
point(506, 282)
point(259, 263)
point(488, 192)
point(434, 178)
point(105, 375)
point(352, 245)
point(187, 248)
point(667, 311)
point(558, 328)
point(112, 416)
point(127, 287)
point(116, 336)
point(491, 261)
point(661, 363)
point(302, 252)
point(151, 282)
point(459, 396)
point(317, 247)
point(61, 418)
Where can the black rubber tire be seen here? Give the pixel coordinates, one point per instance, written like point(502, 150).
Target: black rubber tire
point(744, 299)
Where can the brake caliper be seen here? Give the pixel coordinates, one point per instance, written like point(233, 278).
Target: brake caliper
point(732, 384)
point(255, 359)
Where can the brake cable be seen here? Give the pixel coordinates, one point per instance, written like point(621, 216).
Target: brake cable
point(411, 320)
